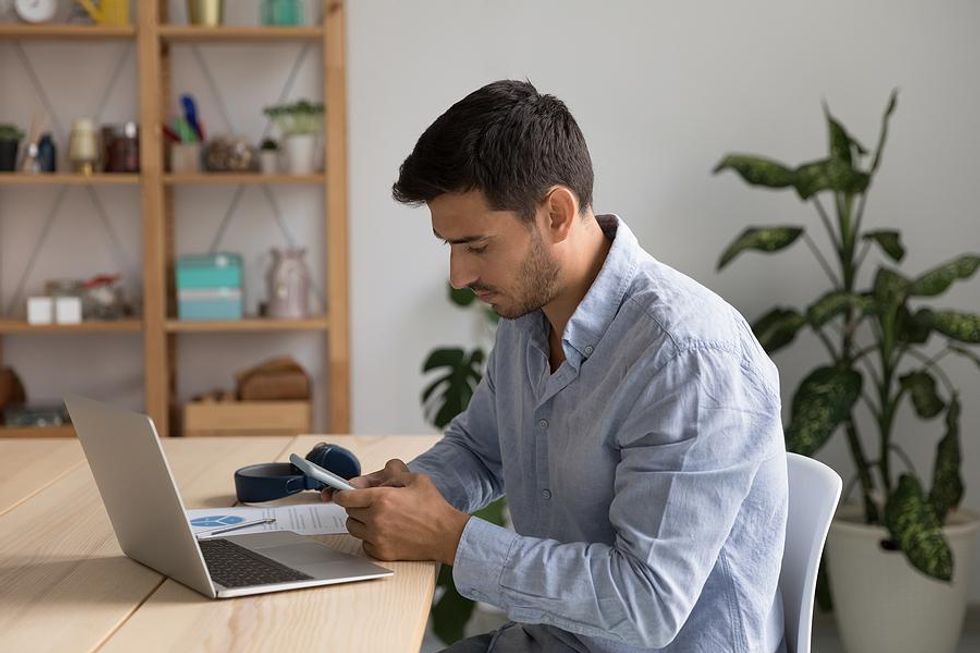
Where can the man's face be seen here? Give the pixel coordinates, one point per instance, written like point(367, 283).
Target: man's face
point(502, 258)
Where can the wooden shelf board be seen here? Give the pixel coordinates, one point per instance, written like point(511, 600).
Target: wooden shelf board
point(319, 323)
point(65, 31)
point(69, 179)
point(18, 326)
point(66, 431)
point(218, 178)
point(228, 33)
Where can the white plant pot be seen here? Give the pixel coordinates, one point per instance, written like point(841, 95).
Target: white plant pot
point(882, 604)
point(269, 161)
point(301, 153)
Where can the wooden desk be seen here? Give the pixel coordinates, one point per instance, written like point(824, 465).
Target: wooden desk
point(65, 585)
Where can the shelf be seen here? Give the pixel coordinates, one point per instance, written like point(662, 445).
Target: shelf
point(68, 179)
point(116, 326)
point(219, 178)
point(65, 31)
point(319, 323)
point(226, 33)
point(66, 431)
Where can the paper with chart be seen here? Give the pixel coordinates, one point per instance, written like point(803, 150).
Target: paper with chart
point(303, 518)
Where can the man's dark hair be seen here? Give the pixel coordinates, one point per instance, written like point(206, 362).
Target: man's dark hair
point(507, 141)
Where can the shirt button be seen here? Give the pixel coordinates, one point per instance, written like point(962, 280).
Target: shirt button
point(543, 424)
point(546, 494)
point(588, 350)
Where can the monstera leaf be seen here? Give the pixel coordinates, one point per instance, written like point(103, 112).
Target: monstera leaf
point(821, 403)
point(913, 525)
point(763, 239)
point(449, 394)
point(777, 328)
point(947, 484)
point(921, 386)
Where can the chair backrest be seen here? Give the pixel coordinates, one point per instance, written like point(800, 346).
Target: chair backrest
point(814, 490)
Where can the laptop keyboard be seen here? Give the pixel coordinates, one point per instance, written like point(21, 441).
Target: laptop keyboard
point(232, 565)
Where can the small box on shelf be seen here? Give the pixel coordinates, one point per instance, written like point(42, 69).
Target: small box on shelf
point(209, 287)
point(247, 418)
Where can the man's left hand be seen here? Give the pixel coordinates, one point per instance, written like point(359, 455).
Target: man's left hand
point(406, 520)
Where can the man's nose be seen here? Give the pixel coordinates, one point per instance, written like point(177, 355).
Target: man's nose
point(461, 274)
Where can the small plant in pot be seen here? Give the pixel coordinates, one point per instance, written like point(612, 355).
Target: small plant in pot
point(10, 137)
point(899, 562)
point(300, 123)
point(269, 156)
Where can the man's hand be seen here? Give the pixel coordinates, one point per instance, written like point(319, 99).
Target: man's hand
point(401, 516)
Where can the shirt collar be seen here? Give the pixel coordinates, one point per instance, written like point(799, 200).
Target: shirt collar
point(601, 303)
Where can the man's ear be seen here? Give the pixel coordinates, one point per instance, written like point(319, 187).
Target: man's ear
point(561, 210)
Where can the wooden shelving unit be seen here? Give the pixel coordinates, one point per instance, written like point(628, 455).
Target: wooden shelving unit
point(154, 37)
point(66, 431)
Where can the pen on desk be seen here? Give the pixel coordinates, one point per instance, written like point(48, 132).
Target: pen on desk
point(244, 524)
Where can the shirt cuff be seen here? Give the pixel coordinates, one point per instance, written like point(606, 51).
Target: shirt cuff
point(481, 556)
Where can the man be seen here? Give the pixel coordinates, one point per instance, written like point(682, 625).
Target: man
point(627, 413)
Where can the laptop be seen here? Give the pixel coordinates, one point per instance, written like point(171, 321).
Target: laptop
point(148, 516)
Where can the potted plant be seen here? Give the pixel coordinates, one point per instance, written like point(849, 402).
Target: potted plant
point(10, 137)
point(269, 156)
point(457, 372)
point(300, 123)
point(899, 562)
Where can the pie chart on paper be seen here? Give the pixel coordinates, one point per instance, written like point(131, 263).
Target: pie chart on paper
point(216, 521)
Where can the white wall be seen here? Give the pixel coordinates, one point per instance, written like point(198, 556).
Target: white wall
point(662, 90)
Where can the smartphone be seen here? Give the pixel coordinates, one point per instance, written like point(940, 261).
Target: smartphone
point(315, 471)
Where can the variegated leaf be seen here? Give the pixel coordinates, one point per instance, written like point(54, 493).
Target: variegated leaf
point(829, 174)
point(890, 288)
point(921, 386)
point(777, 328)
point(915, 528)
point(833, 304)
point(757, 170)
point(964, 327)
point(841, 143)
point(763, 239)
point(947, 483)
point(889, 241)
point(821, 403)
point(937, 280)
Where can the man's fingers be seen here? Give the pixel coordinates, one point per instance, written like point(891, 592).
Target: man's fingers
point(356, 528)
point(354, 498)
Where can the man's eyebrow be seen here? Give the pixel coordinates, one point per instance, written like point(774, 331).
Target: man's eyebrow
point(459, 241)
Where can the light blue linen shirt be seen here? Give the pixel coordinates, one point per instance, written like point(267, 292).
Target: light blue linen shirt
point(646, 477)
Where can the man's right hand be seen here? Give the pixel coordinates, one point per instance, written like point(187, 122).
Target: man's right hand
point(392, 475)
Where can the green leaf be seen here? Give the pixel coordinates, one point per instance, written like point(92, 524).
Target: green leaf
point(763, 239)
point(890, 289)
point(913, 525)
point(757, 170)
point(911, 328)
point(966, 353)
point(841, 143)
point(448, 396)
point(964, 327)
point(833, 304)
point(892, 103)
point(461, 296)
point(777, 328)
point(947, 483)
point(829, 174)
point(936, 281)
point(821, 403)
point(921, 386)
point(889, 241)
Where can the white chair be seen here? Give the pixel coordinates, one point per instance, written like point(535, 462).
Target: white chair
point(814, 490)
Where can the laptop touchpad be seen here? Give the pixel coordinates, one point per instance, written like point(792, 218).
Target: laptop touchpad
point(303, 553)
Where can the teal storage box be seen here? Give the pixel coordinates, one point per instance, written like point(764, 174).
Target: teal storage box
point(218, 270)
point(210, 304)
